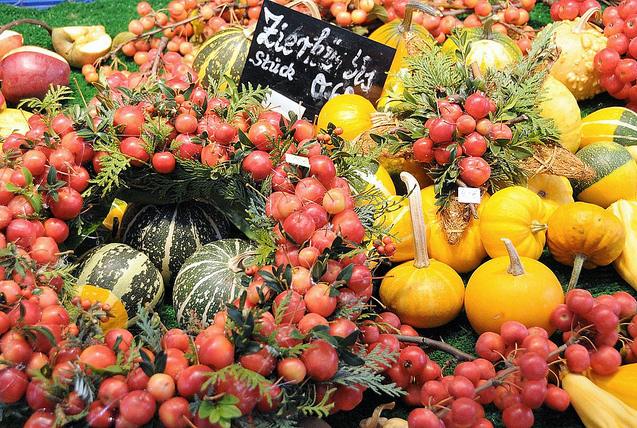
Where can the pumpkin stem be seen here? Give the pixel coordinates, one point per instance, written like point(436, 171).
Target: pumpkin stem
point(578, 263)
point(536, 226)
point(411, 7)
point(417, 220)
point(583, 21)
point(236, 263)
point(515, 264)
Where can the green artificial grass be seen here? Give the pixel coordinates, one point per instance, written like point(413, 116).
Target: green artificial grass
point(115, 15)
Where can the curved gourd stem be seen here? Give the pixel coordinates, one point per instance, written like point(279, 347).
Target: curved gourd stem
point(236, 263)
point(515, 264)
point(578, 263)
point(584, 19)
point(411, 7)
point(417, 220)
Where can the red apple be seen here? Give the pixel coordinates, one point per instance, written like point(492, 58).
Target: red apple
point(29, 71)
point(9, 40)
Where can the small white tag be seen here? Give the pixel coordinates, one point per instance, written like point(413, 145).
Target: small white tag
point(297, 160)
point(469, 195)
point(281, 104)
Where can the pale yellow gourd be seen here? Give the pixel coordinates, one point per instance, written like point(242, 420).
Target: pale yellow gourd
point(626, 263)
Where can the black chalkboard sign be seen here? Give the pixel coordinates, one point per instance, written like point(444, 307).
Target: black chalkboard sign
point(309, 61)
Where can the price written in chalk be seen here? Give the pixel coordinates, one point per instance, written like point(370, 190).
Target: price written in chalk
point(311, 61)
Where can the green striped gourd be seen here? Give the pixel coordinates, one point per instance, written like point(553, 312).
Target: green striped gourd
point(224, 53)
point(210, 278)
point(169, 234)
point(128, 273)
point(611, 124)
point(615, 174)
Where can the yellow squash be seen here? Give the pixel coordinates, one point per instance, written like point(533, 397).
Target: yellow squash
point(392, 32)
point(518, 214)
point(554, 190)
point(584, 235)
point(560, 105)
point(424, 292)
point(463, 256)
point(596, 407)
point(578, 41)
point(621, 384)
point(626, 263)
point(511, 288)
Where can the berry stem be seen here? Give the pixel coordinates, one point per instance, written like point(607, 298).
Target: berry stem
point(437, 344)
point(17, 22)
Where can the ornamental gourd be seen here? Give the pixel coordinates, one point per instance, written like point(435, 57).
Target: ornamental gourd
point(518, 214)
point(554, 190)
point(584, 235)
point(393, 88)
point(626, 263)
point(560, 105)
point(488, 49)
point(611, 124)
point(210, 278)
point(615, 174)
point(578, 42)
point(424, 292)
point(223, 54)
point(128, 273)
point(169, 234)
point(512, 288)
point(464, 255)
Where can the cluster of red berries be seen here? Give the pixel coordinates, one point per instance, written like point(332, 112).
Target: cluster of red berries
point(599, 319)
point(462, 131)
point(568, 10)
point(617, 63)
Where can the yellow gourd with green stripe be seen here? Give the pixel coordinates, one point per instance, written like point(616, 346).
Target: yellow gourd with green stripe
point(615, 174)
point(390, 33)
point(224, 54)
point(611, 124)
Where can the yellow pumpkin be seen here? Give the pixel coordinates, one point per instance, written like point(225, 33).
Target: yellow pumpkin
point(351, 112)
point(463, 256)
point(518, 214)
point(511, 288)
point(393, 88)
point(561, 106)
point(578, 42)
point(379, 180)
point(554, 190)
point(424, 292)
point(626, 263)
point(584, 235)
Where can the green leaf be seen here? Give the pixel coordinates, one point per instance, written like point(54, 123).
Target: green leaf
point(346, 274)
point(378, 12)
point(229, 412)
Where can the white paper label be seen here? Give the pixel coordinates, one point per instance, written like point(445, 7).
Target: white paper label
point(469, 195)
point(281, 104)
point(297, 160)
